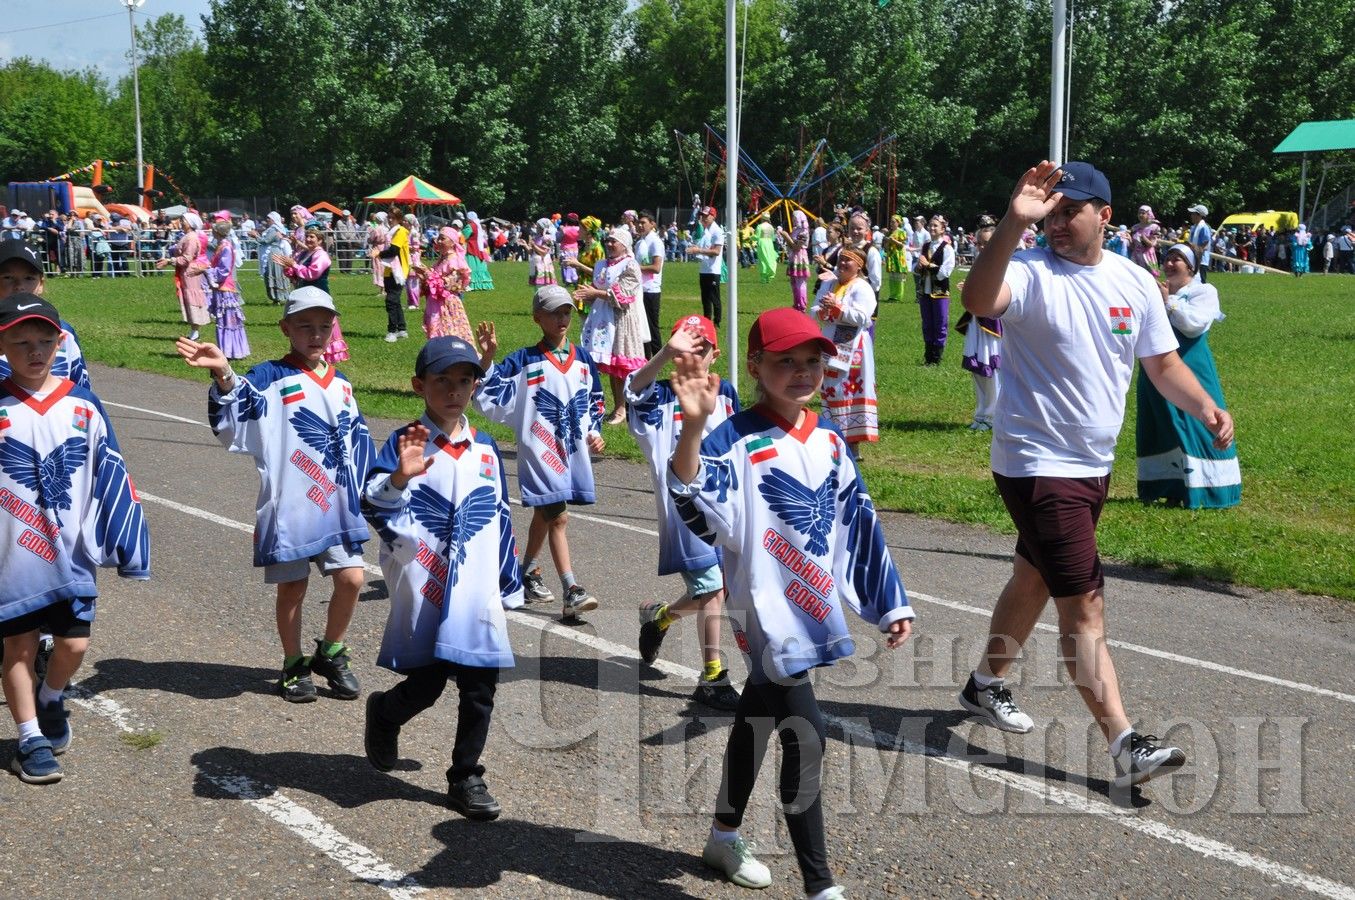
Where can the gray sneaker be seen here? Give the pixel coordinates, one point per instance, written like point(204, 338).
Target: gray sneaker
point(534, 587)
point(578, 601)
point(994, 706)
point(1140, 759)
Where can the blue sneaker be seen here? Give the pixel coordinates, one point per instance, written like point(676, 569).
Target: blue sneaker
point(52, 720)
point(35, 763)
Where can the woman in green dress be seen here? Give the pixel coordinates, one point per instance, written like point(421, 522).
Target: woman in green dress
point(766, 250)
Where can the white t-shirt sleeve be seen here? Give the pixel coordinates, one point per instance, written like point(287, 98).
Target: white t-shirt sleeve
point(1018, 280)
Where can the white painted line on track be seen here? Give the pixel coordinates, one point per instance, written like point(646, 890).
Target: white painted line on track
point(1042, 789)
point(1205, 664)
point(155, 412)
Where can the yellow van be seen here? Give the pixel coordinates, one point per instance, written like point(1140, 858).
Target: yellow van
point(1280, 221)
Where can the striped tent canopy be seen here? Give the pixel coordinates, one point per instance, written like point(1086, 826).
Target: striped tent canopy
point(414, 190)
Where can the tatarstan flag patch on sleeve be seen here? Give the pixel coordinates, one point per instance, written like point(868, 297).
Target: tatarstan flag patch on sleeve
point(536, 375)
point(4, 419)
point(293, 393)
point(760, 449)
point(487, 466)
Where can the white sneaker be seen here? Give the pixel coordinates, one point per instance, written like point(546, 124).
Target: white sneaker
point(735, 859)
point(391, 337)
point(836, 892)
point(1141, 759)
point(400, 335)
point(994, 705)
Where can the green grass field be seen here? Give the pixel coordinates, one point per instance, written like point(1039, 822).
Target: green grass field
point(1286, 355)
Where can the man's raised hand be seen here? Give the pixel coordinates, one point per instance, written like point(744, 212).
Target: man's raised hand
point(1034, 196)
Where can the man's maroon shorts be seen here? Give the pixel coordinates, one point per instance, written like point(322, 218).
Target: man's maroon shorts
point(1055, 522)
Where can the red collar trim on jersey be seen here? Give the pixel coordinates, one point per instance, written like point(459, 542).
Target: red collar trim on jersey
point(801, 434)
point(454, 449)
point(551, 358)
point(46, 403)
point(294, 359)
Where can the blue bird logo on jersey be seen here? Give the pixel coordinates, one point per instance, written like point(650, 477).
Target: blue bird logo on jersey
point(810, 512)
point(651, 413)
point(48, 476)
point(454, 526)
point(564, 417)
point(720, 477)
point(328, 441)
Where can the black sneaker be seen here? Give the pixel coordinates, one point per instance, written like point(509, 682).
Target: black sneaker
point(295, 685)
point(651, 635)
point(578, 601)
point(472, 799)
point(534, 587)
point(382, 742)
point(994, 706)
point(717, 693)
point(334, 669)
point(1141, 759)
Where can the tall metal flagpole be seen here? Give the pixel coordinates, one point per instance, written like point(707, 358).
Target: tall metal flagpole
point(732, 192)
point(1058, 57)
point(132, 7)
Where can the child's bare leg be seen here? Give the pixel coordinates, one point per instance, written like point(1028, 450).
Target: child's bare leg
point(618, 395)
point(67, 656)
point(342, 602)
point(290, 595)
point(536, 535)
point(708, 624)
point(559, 543)
point(21, 651)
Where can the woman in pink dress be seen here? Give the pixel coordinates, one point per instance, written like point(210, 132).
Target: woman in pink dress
point(190, 264)
point(569, 249)
point(1143, 240)
point(444, 315)
point(311, 267)
point(378, 239)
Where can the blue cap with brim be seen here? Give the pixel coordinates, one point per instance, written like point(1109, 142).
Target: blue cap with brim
point(1082, 181)
point(441, 353)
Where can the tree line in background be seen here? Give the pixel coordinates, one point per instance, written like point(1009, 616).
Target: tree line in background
point(526, 108)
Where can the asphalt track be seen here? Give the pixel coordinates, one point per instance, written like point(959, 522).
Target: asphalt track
point(188, 776)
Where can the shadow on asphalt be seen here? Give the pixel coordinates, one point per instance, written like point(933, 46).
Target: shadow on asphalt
point(344, 779)
point(201, 680)
point(478, 854)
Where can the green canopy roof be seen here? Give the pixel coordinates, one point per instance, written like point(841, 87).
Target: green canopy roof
point(1311, 137)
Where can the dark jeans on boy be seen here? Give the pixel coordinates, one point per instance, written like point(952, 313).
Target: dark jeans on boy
point(655, 342)
point(710, 297)
point(395, 304)
point(421, 689)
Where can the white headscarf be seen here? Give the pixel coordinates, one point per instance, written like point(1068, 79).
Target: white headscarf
point(380, 217)
point(193, 220)
point(622, 236)
point(275, 218)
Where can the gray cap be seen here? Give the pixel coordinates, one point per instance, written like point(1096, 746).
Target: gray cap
point(1199, 209)
point(550, 298)
point(309, 297)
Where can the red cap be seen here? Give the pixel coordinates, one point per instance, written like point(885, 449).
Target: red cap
point(783, 328)
point(701, 323)
point(709, 211)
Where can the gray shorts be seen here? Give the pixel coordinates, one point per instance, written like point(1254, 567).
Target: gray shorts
point(703, 581)
point(327, 561)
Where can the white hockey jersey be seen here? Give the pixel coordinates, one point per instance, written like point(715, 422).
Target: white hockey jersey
point(655, 420)
point(312, 449)
point(438, 536)
point(69, 361)
point(552, 406)
point(68, 504)
point(801, 539)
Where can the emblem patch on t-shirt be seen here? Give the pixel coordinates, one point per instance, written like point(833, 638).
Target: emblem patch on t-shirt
point(1121, 320)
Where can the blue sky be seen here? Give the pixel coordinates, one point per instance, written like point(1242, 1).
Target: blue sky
point(82, 33)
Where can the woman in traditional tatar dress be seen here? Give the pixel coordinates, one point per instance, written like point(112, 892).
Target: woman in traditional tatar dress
point(541, 254)
point(311, 267)
point(569, 249)
point(615, 331)
point(444, 315)
point(190, 264)
point(844, 305)
point(274, 241)
point(1143, 240)
point(766, 250)
point(1177, 459)
point(378, 239)
point(477, 256)
point(225, 305)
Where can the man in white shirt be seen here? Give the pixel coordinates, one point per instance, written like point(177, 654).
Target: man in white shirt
point(819, 239)
point(649, 253)
point(1201, 238)
point(709, 251)
point(1074, 320)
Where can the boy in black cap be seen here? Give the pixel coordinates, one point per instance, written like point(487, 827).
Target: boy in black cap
point(71, 509)
point(20, 270)
point(438, 496)
point(299, 420)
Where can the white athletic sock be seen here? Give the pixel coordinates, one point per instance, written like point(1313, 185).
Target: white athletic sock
point(821, 894)
point(984, 682)
point(29, 729)
point(1118, 744)
point(724, 837)
point(48, 695)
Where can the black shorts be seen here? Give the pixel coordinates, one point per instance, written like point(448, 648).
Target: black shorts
point(57, 620)
point(1055, 522)
point(551, 511)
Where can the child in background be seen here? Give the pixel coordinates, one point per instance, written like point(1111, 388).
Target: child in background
point(982, 351)
point(438, 496)
point(21, 272)
point(541, 254)
point(775, 488)
point(656, 421)
point(73, 509)
point(551, 396)
point(297, 417)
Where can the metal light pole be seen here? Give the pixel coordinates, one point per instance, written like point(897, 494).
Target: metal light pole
point(1058, 61)
point(132, 7)
point(732, 189)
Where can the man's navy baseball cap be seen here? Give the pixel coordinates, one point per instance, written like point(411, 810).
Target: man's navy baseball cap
point(1083, 181)
point(441, 353)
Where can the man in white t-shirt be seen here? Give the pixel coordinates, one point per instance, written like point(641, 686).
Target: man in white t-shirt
point(819, 238)
point(1074, 320)
point(709, 251)
point(649, 253)
point(1201, 238)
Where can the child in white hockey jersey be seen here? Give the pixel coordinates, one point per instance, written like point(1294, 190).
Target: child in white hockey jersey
point(776, 488)
point(297, 417)
point(20, 270)
point(551, 396)
point(70, 508)
point(655, 420)
point(438, 497)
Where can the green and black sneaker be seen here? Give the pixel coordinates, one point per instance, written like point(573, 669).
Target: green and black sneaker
point(334, 669)
point(295, 685)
